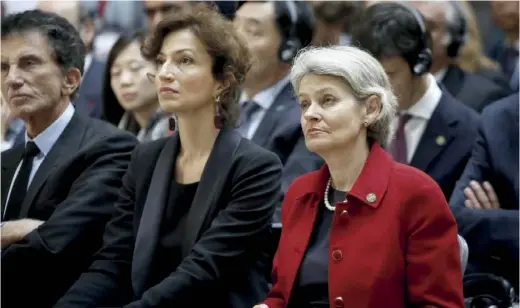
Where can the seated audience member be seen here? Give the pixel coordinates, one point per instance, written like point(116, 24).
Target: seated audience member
point(60, 184)
point(129, 97)
point(82, 17)
point(504, 49)
point(195, 208)
point(471, 57)
point(363, 231)
point(485, 200)
point(435, 132)
point(447, 37)
point(89, 100)
point(269, 112)
point(11, 130)
point(156, 10)
point(333, 19)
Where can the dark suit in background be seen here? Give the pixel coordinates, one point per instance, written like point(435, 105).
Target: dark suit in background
point(89, 100)
point(471, 89)
point(493, 234)
point(445, 145)
point(507, 57)
point(280, 132)
point(73, 191)
point(223, 261)
point(496, 76)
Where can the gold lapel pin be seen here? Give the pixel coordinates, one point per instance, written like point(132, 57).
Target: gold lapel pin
point(440, 140)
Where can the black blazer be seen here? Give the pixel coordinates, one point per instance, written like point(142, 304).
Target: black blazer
point(493, 234)
point(445, 146)
point(471, 89)
point(229, 229)
point(89, 100)
point(280, 132)
point(73, 191)
point(496, 76)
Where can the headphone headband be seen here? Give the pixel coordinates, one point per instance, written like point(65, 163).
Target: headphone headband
point(421, 59)
point(457, 31)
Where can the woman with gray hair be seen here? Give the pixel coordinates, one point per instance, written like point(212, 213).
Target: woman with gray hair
point(363, 231)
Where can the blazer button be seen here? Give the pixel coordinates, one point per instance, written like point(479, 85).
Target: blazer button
point(344, 214)
point(338, 302)
point(337, 255)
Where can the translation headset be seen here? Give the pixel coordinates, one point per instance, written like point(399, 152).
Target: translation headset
point(295, 21)
point(291, 44)
point(457, 31)
point(420, 60)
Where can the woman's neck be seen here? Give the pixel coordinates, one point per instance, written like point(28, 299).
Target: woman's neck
point(197, 133)
point(345, 165)
point(145, 113)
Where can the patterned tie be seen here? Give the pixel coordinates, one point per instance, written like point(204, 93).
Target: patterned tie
point(247, 111)
point(398, 148)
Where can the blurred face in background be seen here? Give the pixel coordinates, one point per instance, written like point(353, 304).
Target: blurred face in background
point(155, 11)
point(256, 22)
point(128, 79)
point(505, 15)
point(435, 21)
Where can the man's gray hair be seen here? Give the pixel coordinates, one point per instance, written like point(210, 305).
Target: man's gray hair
point(361, 72)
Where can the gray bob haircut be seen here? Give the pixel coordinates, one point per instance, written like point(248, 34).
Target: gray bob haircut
point(362, 73)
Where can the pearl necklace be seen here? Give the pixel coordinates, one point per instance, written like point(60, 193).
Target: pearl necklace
point(326, 199)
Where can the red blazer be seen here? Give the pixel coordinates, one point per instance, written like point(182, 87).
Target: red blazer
point(393, 241)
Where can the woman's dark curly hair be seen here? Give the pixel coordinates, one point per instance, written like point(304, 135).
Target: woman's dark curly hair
point(231, 58)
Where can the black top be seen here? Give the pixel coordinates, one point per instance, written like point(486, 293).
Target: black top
point(311, 285)
point(173, 228)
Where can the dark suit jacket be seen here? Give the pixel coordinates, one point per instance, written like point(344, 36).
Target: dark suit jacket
point(89, 100)
point(229, 221)
point(445, 146)
point(496, 76)
point(498, 51)
point(493, 233)
point(398, 249)
point(73, 191)
point(471, 89)
point(280, 132)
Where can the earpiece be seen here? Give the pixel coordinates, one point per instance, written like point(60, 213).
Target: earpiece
point(423, 63)
point(288, 50)
point(420, 61)
point(290, 43)
point(457, 31)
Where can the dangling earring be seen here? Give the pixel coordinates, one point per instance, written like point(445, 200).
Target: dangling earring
point(218, 119)
point(365, 123)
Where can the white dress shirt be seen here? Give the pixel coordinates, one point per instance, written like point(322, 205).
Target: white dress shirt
point(88, 61)
point(439, 76)
point(421, 113)
point(264, 99)
point(44, 141)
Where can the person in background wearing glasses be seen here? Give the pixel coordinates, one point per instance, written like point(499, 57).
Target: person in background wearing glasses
point(193, 221)
point(129, 98)
point(363, 231)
